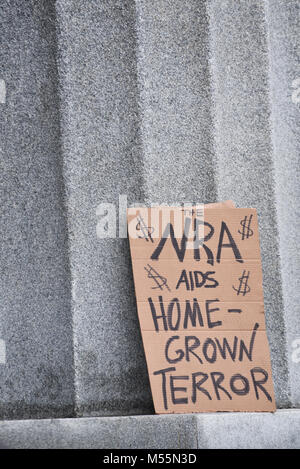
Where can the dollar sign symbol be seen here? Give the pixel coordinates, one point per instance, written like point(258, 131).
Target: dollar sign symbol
point(146, 230)
point(158, 279)
point(247, 231)
point(243, 286)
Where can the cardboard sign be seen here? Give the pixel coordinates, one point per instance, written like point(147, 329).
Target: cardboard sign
point(198, 283)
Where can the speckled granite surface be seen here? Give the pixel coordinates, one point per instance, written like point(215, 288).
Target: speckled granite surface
point(164, 101)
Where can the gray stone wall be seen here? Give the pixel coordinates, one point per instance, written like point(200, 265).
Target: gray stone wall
point(165, 101)
point(37, 378)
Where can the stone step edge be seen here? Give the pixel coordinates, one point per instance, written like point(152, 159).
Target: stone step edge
point(183, 431)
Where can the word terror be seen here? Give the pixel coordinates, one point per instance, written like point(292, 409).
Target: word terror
point(213, 385)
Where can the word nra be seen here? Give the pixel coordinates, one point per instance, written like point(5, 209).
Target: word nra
point(198, 242)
